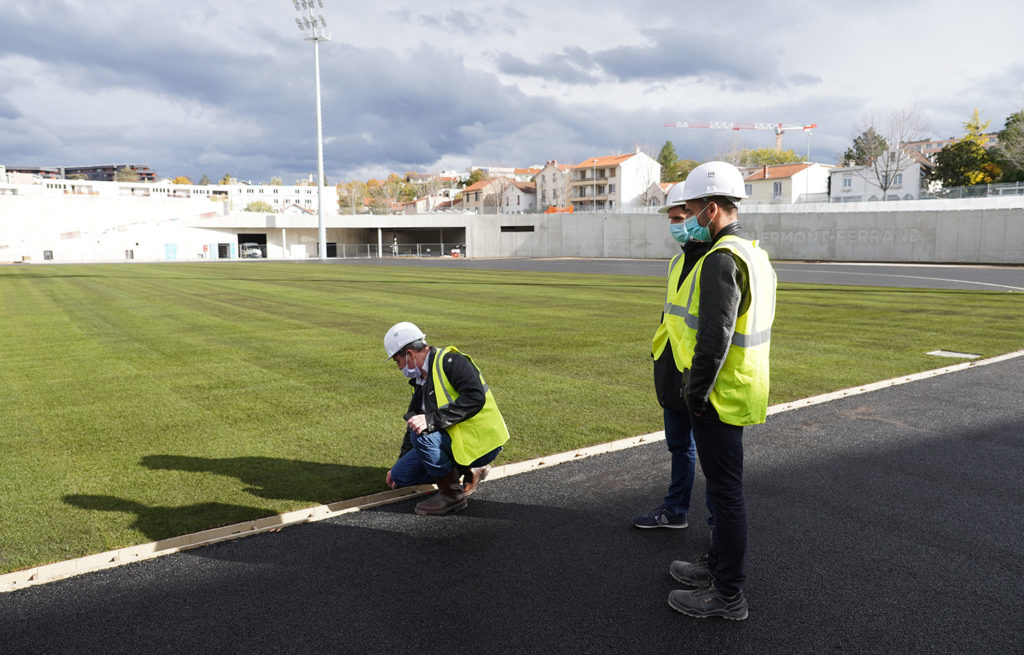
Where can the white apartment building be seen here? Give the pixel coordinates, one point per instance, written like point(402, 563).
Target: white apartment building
point(863, 183)
point(612, 183)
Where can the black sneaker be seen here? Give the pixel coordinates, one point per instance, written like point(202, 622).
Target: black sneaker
point(695, 574)
point(660, 517)
point(702, 603)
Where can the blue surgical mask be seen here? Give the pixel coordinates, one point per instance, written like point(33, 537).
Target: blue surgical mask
point(679, 232)
point(695, 230)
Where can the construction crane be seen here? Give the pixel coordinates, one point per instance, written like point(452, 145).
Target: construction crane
point(778, 128)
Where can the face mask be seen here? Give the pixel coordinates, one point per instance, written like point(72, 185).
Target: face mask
point(696, 230)
point(679, 232)
point(411, 373)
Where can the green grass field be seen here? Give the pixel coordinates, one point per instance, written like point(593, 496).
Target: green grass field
point(139, 402)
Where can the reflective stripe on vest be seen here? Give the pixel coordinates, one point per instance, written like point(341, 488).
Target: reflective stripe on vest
point(479, 434)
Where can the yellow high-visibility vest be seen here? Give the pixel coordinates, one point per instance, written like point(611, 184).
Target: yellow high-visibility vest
point(740, 392)
point(480, 433)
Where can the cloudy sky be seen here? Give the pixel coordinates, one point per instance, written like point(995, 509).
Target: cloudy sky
point(193, 88)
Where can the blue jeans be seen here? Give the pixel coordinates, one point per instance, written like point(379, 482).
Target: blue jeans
point(720, 447)
point(430, 458)
point(679, 438)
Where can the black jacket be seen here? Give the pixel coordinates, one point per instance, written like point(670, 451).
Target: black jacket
point(724, 295)
point(464, 378)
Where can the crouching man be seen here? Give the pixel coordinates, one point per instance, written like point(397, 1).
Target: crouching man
point(453, 427)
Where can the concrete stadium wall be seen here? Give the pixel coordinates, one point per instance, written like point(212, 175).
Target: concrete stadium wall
point(976, 231)
point(982, 231)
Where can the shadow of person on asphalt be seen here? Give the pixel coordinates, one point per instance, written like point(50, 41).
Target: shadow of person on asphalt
point(282, 479)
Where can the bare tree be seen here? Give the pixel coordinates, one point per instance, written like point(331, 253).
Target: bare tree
point(897, 129)
point(500, 188)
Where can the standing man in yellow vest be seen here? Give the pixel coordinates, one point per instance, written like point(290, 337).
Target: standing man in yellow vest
point(719, 325)
point(453, 427)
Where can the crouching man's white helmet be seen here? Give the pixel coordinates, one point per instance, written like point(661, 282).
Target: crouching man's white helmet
point(401, 335)
point(715, 178)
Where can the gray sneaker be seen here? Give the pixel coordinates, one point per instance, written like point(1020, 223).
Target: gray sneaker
point(695, 574)
point(703, 603)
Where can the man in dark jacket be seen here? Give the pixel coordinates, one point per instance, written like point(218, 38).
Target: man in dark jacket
point(719, 324)
point(447, 441)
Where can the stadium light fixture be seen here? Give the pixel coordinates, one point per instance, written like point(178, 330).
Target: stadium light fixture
point(314, 28)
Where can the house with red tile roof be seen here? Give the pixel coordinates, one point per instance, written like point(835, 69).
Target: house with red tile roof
point(612, 182)
point(788, 183)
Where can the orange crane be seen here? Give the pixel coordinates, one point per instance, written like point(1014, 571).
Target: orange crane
point(778, 128)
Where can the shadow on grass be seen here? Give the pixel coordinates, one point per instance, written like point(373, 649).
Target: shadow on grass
point(281, 479)
point(269, 477)
point(158, 522)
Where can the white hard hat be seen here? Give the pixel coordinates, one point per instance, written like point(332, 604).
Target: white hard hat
point(715, 178)
point(401, 335)
point(674, 198)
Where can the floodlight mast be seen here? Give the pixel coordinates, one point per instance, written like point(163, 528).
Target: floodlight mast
point(314, 28)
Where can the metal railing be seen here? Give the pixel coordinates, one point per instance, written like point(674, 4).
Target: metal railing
point(369, 250)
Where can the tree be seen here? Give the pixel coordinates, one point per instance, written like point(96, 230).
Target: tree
point(126, 174)
point(351, 196)
point(683, 168)
point(259, 206)
point(967, 162)
point(1009, 153)
point(866, 148)
point(204, 180)
point(761, 157)
point(276, 181)
point(974, 129)
point(964, 163)
point(227, 179)
point(885, 169)
point(669, 161)
point(475, 176)
point(181, 179)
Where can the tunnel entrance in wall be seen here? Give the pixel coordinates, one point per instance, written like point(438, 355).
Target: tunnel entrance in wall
point(252, 246)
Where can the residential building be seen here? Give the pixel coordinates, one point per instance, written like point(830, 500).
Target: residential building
point(519, 198)
point(613, 182)
point(931, 147)
point(657, 193)
point(108, 172)
point(865, 183)
point(486, 196)
point(788, 183)
point(553, 185)
point(525, 174)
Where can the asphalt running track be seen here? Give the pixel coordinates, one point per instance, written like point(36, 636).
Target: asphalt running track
point(911, 276)
point(888, 522)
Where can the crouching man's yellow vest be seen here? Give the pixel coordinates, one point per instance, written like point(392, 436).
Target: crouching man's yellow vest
point(480, 433)
point(740, 392)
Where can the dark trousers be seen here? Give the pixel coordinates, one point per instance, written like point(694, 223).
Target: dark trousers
point(720, 448)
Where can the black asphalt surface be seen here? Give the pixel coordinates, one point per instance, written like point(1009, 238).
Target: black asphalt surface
point(913, 276)
point(888, 522)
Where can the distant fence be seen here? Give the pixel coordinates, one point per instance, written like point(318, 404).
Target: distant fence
point(369, 250)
